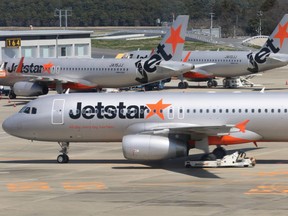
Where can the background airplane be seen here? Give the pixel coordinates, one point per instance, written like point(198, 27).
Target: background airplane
point(232, 64)
point(34, 76)
point(154, 126)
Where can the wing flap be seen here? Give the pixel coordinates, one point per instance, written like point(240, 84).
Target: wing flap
point(186, 128)
point(34, 78)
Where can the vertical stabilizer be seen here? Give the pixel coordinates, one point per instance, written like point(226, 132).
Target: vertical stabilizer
point(278, 40)
point(171, 46)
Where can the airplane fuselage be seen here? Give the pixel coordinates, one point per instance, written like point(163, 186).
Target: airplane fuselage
point(108, 73)
point(227, 63)
point(108, 117)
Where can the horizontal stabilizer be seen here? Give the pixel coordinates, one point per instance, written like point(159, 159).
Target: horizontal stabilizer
point(279, 57)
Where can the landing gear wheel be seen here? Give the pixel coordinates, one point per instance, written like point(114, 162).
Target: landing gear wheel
point(210, 84)
point(219, 152)
point(208, 157)
point(215, 83)
point(186, 85)
point(12, 95)
point(63, 158)
point(181, 85)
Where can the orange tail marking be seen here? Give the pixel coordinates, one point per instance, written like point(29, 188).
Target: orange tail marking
point(20, 65)
point(242, 125)
point(187, 57)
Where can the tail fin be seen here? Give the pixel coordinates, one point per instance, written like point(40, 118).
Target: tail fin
point(278, 40)
point(171, 46)
point(20, 65)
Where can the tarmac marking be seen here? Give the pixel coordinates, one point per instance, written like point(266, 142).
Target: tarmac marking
point(44, 186)
point(275, 189)
point(275, 173)
point(28, 186)
point(79, 186)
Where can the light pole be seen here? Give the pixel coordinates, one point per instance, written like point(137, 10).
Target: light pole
point(59, 12)
point(211, 24)
point(260, 14)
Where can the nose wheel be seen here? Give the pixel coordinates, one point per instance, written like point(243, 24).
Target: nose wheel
point(63, 158)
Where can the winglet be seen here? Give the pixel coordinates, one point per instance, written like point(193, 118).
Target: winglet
point(20, 65)
point(242, 126)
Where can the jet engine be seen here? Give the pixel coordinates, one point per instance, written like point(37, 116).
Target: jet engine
point(29, 89)
point(151, 147)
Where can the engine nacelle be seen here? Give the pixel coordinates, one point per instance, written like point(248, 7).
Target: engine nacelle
point(29, 89)
point(151, 147)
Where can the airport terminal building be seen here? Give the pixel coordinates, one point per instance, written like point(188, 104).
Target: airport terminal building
point(45, 44)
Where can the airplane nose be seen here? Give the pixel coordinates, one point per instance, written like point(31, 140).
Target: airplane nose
point(10, 126)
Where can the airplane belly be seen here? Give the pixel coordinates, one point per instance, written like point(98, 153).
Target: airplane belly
point(231, 70)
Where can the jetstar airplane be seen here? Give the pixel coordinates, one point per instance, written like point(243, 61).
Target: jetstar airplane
point(152, 125)
point(33, 76)
point(232, 64)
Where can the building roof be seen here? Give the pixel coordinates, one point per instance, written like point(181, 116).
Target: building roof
point(42, 32)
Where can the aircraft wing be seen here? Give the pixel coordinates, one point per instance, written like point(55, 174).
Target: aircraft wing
point(171, 66)
point(60, 79)
point(204, 65)
point(184, 128)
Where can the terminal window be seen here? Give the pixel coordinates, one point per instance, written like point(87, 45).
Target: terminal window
point(63, 51)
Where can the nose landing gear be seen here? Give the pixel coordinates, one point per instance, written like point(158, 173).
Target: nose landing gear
point(63, 158)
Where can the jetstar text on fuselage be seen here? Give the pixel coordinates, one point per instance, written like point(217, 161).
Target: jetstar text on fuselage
point(101, 111)
point(32, 68)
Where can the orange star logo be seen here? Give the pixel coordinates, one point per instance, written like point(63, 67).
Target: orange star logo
point(175, 38)
point(157, 109)
point(282, 33)
point(47, 67)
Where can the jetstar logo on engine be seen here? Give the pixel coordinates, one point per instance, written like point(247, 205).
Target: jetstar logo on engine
point(121, 111)
point(31, 68)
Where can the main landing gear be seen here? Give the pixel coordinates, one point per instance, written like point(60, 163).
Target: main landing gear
point(183, 85)
point(217, 153)
point(212, 83)
point(63, 158)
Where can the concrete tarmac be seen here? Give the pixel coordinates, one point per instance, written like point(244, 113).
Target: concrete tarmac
point(99, 181)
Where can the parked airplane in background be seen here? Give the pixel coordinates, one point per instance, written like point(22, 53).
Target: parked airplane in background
point(232, 64)
point(34, 76)
point(154, 126)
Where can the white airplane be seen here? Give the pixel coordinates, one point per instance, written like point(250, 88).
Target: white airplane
point(34, 76)
point(154, 126)
point(232, 64)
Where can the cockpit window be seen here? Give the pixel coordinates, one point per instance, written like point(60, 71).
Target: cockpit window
point(28, 110)
point(25, 110)
point(34, 110)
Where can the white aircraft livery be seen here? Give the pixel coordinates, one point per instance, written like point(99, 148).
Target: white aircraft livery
point(232, 64)
point(34, 76)
point(154, 126)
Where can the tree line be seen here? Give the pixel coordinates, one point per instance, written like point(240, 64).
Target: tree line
point(242, 16)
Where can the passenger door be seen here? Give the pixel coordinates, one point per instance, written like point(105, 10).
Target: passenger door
point(58, 111)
